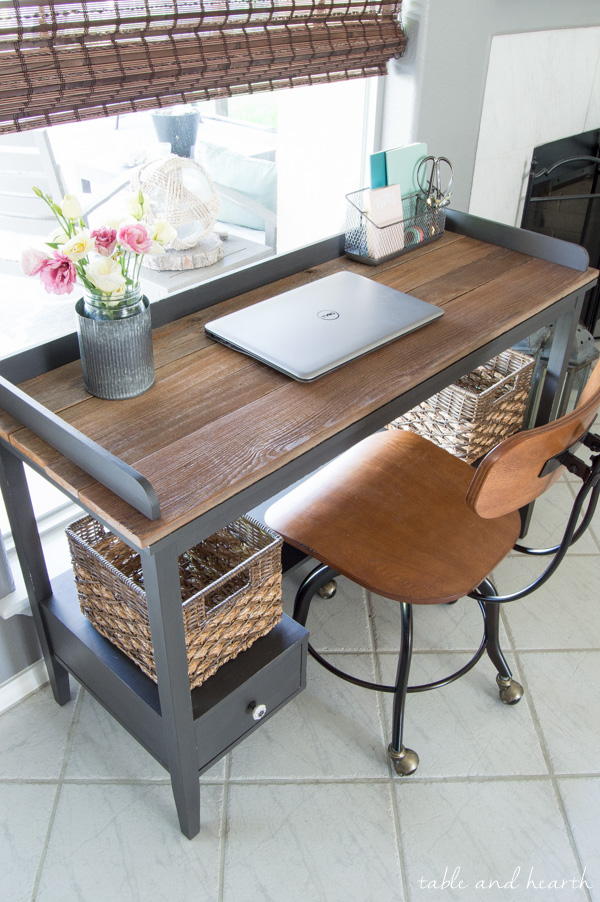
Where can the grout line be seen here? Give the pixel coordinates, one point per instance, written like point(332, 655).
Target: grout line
point(28, 781)
point(560, 651)
point(317, 781)
point(414, 778)
point(60, 783)
point(223, 829)
point(516, 650)
point(570, 835)
point(383, 725)
point(552, 775)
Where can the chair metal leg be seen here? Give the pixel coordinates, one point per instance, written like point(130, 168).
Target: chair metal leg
point(319, 578)
point(405, 760)
point(510, 691)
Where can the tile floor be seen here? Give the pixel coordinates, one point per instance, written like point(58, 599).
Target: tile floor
point(504, 805)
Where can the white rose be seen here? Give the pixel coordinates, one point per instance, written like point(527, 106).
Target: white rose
point(105, 273)
point(71, 208)
point(78, 246)
point(163, 232)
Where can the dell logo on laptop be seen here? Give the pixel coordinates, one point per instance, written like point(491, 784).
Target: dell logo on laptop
point(328, 314)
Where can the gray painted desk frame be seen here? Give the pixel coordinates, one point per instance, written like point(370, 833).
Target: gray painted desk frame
point(187, 732)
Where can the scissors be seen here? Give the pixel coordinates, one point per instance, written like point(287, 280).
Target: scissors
point(431, 182)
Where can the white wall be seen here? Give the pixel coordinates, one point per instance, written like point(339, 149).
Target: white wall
point(541, 86)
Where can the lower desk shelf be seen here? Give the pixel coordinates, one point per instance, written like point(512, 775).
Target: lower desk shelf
point(270, 673)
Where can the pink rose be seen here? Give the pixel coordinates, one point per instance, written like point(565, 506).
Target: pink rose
point(32, 261)
point(58, 274)
point(105, 239)
point(134, 237)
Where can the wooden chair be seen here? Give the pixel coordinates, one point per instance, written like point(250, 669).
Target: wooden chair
point(408, 521)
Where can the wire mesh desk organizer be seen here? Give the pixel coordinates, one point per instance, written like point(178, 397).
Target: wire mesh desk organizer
point(372, 244)
point(230, 586)
point(418, 218)
point(473, 415)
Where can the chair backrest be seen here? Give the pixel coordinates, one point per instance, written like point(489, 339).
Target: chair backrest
point(509, 478)
point(26, 159)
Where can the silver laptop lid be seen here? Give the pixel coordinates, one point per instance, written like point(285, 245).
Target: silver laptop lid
point(313, 329)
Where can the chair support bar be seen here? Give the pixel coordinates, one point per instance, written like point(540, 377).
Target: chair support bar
point(322, 574)
point(591, 486)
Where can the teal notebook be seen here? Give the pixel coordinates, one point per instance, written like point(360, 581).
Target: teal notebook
point(378, 170)
point(401, 166)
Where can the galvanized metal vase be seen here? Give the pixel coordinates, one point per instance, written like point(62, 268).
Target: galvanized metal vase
point(115, 342)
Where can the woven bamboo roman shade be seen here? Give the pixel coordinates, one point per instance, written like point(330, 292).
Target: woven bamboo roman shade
point(64, 60)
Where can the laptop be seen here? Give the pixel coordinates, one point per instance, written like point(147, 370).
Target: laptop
point(318, 327)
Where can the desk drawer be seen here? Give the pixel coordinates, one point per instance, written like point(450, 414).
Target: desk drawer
point(247, 691)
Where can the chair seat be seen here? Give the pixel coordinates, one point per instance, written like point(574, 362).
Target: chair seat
point(391, 515)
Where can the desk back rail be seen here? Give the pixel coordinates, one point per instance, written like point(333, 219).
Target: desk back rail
point(28, 364)
point(544, 247)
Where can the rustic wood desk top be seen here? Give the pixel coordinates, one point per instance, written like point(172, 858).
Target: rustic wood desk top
point(217, 421)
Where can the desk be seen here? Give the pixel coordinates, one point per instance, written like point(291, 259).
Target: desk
point(220, 433)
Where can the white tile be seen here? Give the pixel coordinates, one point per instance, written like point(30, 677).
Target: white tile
point(582, 803)
point(122, 843)
point(332, 842)
point(24, 815)
point(463, 729)
point(336, 624)
point(436, 627)
point(331, 730)
point(484, 832)
point(564, 693)
point(34, 735)
point(563, 613)
point(103, 749)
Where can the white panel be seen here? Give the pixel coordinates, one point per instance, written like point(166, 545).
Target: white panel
point(541, 86)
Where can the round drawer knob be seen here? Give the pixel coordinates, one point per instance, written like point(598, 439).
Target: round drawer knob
point(258, 711)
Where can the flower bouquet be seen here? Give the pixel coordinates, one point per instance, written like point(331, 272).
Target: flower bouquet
point(106, 261)
point(113, 317)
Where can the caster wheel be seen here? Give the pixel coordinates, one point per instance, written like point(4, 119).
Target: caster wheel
point(510, 691)
point(328, 589)
point(405, 761)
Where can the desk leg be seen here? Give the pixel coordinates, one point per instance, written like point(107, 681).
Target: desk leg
point(562, 344)
point(17, 500)
point(163, 593)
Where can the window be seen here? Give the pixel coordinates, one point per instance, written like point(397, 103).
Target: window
point(296, 152)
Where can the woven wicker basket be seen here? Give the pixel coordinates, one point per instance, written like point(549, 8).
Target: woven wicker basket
point(473, 415)
point(230, 585)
